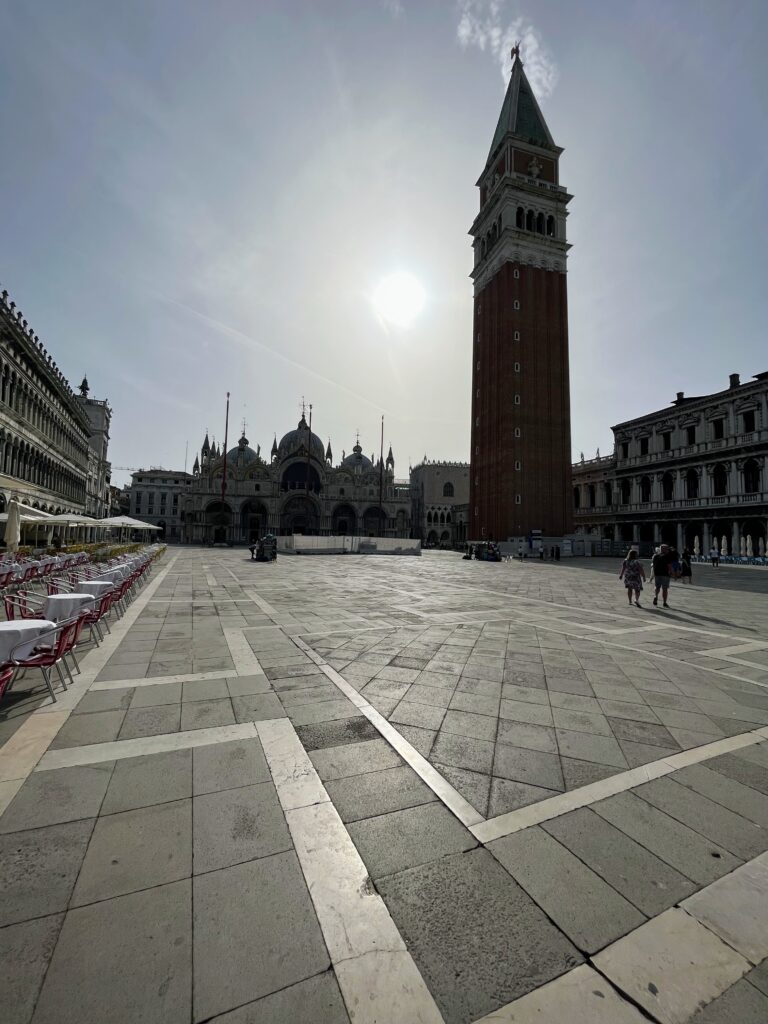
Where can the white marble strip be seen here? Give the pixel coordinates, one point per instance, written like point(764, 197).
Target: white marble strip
point(452, 799)
point(120, 684)
point(545, 810)
point(265, 606)
point(117, 750)
point(20, 754)
point(378, 978)
point(245, 661)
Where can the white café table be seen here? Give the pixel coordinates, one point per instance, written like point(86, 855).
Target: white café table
point(115, 575)
point(97, 588)
point(17, 631)
point(63, 606)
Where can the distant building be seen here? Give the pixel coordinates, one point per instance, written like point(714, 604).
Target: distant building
point(437, 488)
point(99, 414)
point(157, 496)
point(695, 470)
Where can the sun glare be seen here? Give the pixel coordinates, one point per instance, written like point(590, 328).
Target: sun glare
point(398, 299)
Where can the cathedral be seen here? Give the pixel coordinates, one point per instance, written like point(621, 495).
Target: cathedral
point(237, 496)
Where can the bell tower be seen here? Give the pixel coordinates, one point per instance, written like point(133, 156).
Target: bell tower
point(521, 435)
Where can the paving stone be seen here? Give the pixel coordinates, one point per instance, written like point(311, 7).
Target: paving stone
point(379, 687)
point(38, 869)
point(204, 689)
point(220, 766)
point(466, 723)
point(241, 686)
point(643, 732)
point(473, 786)
point(474, 702)
point(628, 710)
point(308, 695)
point(442, 680)
point(378, 792)
point(688, 739)
point(757, 753)
point(297, 681)
point(354, 759)
point(463, 752)
point(749, 803)
point(740, 1004)
point(238, 825)
point(25, 951)
point(323, 711)
point(758, 977)
point(688, 720)
point(105, 700)
point(568, 685)
point(424, 716)
point(647, 882)
point(152, 696)
point(405, 838)
point(312, 1001)
point(593, 914)
point(585, 746)
point(136, 850)
point(671, 966)
point(534, 767)
point(151, 721)
point(749, 774)
point(532, 737)
point(743, 838)
point(420, 739)
point(149, 930)
point(482, 687)
point(581, 721)
point(257, 707)
point(255, 933)
point(477, 938)
point(507, 795)
point(736, 908)
point(79, 730)
point(523, 711)
point(690, 853)
point(574, 702)
point(643, 753)
point(149, 779)
point(67, 794)
point(528, 694)
point(334, 734)
point(207, 714)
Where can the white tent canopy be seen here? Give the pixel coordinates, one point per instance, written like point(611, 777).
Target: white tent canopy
point(128, 523)
point(71, 519)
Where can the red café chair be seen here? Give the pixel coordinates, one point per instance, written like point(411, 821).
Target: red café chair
point(98, 614)
point(21, 605)
point(7, 672)
point(47, 656)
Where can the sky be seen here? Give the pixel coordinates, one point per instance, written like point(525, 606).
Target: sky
point(202, 197)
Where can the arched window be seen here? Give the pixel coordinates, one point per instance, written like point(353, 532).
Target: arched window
point(751, 476)
point(667, 486)
point(719, 480)
point(520, 217)
point(442, 518)
point(692, 484)
point(550, 226)
point(447, 517)
point(626, 491)
point(529, 221)
point(591, 492)
point(540, 223)
point(577, 497)
point(645, 489)
point(429, 518)
point(447, 489)
point(608, 492)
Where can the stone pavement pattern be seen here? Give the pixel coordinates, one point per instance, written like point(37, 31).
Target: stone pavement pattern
point(331, 790)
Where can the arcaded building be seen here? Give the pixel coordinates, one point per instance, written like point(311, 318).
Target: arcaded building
point(438, 489)
point(521, 439)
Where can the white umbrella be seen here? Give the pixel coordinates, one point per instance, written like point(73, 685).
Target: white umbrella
point(743, 546)
point(724, 547)
point(761, 547)
point(13, 527)
point(696, 548)
point(750, 549)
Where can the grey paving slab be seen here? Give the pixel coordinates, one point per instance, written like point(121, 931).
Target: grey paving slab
point(742, 837)
point(533, 767)
point(151, 721)
point(467, 723)
point(592, 915)
point(227, 765)
point(378, 792)
point(207, 714)
point(532, 737)
point(237, 825)
point(135, 850)
point(402, 839)
point(25, 951)
point(628, 710)
point(420, 739)
point(241, 686)
point(258, 707)
point(741, 770)
point(525, 711)
point(154, 696)
point(473, 786)
point(308, 695)
point(474, 702)
point(643, 753)
point(646, 881)
point(463, 752)
point(758, 977)
point(97, 727)
point(323, 711)
point(528, 694)
point(679, 846)
point(749, 803)
point(204, 689)
point(354, 759)
point(643, 732)
point(584, 746)
point(149, 779)
point(740, 1004)
point(581, 721)
point(149, 930)
point(314, 1001)
point(47, 798)
point(334, 734)
point(477, 938)
point(38, 869)
point(424, 716)
point(508, 795)
point(736, 908)
point(105, 700)
point(255, 933)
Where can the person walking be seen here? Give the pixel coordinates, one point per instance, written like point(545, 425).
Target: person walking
point(633, 574)
point(714, 554)
point(660, 567)
point(686, 572)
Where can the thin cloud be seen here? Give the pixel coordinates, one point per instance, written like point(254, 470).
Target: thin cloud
point(484, 25)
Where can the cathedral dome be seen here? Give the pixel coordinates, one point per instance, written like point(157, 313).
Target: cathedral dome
point(295, 439)
point(242, 455)
point(357, 460)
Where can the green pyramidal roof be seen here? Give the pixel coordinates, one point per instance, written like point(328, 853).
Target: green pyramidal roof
point(520, 114)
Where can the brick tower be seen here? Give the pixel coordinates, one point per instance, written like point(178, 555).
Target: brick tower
point(521, 435)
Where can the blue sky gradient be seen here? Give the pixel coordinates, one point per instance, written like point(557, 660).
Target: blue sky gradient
point(201, 197)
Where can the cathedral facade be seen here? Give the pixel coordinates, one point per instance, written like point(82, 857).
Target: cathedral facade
point(234, 497)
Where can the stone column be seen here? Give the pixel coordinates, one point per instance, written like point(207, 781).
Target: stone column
point(706, 542)
point(735, 540)
point(680, 537)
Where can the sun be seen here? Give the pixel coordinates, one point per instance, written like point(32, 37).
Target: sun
point(398, 299)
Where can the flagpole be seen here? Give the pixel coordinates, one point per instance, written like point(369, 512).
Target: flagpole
point(309, 453)
point(382, 518)
point(224, 473)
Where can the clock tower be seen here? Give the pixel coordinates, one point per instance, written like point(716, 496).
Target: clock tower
point(520, 477)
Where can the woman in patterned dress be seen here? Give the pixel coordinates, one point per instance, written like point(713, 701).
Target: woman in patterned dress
point(633, 574)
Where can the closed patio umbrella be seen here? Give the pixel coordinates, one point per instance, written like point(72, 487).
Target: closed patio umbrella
point(13, 527)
